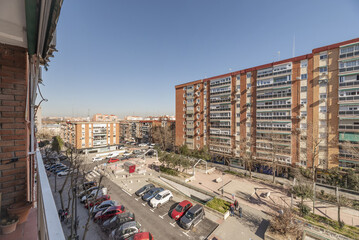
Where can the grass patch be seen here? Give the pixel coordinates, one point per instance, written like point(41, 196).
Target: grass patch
point(169, 171)
point(320, 221)
point(219, 204)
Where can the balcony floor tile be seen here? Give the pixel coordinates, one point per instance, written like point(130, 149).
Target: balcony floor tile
point(26, 230)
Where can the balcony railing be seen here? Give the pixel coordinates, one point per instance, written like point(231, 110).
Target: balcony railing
point(275, 95)
point(349, 84)
point(354, 98)
point(219, 109)
point(348, 127)
point(349, 113)
point(349, 69)
point(273, 118)
point(273, 106)
point(275, 128)
point(48, 222)
point(351, 54)
point(220, 100)
point(221, 92)
point(274, 84)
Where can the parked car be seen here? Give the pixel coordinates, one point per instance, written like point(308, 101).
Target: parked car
point(142, 145)
point(112, 160)
point(151, 194)
point(161, 198)
point(144, 189)
point(180, 209)
point(136, 151)
point(63, 173)
point(96, 159)
point(126, 230)
point(141, 236)
point(63, 157)
point(87, 191)
point(60, 169)
point(51, 166)
point(53, 169)
point(112, 155)
point(108, 213)
point(102, 206)
point(127, 154)
point(88, 185)
point(97, 201)
point(192, 216)
point(117, 221)
point(125, 158)
point(93, 194)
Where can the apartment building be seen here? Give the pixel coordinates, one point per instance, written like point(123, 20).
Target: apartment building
point(99, 117)
point(302, 111)
point(91, 136)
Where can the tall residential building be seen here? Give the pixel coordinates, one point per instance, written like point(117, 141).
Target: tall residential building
point(303, 110)
point(91, 136)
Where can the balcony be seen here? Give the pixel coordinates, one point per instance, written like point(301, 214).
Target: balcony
point(349, 84)
point(348, 55)
point(221, 92)
point(219, 109)
point(287, 129)
point(274, 95)
point(274, 85)
point(349, 69)
point(274, 118)
point(228, 99)
point(274, 106)
point(348, 127)
point(349, 98)
point(349, 113)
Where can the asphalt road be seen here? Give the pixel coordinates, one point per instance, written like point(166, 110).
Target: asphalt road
point(157, 221)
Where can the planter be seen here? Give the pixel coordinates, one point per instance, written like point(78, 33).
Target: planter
point(20, 210)
point(9, 228)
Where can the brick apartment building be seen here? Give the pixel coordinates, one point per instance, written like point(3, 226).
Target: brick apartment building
point(91, 136)
point(302, 109)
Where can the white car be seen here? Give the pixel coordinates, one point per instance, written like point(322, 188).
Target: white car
point(63, 173)
point(142, 145)
point(91, 196)
point(96, 159)
point(161, 198)
point(127, 154)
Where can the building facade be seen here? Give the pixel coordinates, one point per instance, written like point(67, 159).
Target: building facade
point(302, 111)
point(91, 136)
point(104, 118)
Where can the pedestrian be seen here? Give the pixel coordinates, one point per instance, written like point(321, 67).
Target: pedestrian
point(235, 204)
point(61, 214)
point(232, 209)
point(240, 212)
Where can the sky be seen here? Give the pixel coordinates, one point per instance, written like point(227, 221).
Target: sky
point(124, 57)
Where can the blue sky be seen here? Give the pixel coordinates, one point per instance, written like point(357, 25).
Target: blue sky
point(124, 57)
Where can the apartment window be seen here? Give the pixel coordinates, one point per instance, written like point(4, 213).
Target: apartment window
point(249, 85)
point(303, 113)
point(184, 109)
point(198, 124)
point(197, 101)
point(184, 88)
point(184, 123)
point(303, 126)
point(198, 108)
point(304, 64)
point(303, 89)
point(198, 86)
point(323, 69)
point(304, 76)
point(323, 109)
point(323, 56)
point(249, 75)
point(322, 123)
point(184, 102)
point(303, 101)
point(184, 115)
point(198, 138)
point(205, 84)
point(323, 96)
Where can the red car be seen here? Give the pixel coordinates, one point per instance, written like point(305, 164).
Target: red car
point(111, 160)
point(180, 209)
point(108, 213)
point(141, 236)
point(98, 201)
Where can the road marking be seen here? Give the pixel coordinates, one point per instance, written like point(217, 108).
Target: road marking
point(185, 233)
point(173, 224)
point(152, 209)
point(163, 215)
point(160, 216)
point(197, 223)
point(136, 199)
point(127, 192)
point(144, 204)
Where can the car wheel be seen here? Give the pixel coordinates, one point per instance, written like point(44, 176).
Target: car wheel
point(191, 227)
point(158, 205)
point(171, 198)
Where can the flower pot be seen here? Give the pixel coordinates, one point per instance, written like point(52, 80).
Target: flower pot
point(21, 210)
point(9, 228)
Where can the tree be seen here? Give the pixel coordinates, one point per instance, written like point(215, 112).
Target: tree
point(57, 144)
point(184, 150)
point(303, 191)
point(164, 135)
point(247, 156)
point(285, 223)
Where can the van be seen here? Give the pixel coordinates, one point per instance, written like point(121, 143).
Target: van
point(193, 216)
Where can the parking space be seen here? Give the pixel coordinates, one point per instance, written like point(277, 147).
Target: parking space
point(157, 220)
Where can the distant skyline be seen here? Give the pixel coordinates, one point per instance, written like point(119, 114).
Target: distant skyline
point(125, 57)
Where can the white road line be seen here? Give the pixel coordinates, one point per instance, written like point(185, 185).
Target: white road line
point(136, 199)
point(152, 209)
point(163, 215)
point(173, 224)
point(127, 192)
point(185, 233)
point(160, 216)
point(144, 204)
point(198, 222)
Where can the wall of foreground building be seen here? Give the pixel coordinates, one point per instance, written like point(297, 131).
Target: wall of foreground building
point(14, 131)
point(302, 111)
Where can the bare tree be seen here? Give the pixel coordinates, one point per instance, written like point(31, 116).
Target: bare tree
point(247, 156)
point(164, 135)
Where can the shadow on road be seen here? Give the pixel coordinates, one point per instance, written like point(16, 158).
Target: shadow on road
point(262, 228)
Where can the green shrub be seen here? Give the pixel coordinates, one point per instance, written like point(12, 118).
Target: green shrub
point(219, 205)
point(304, 209)
point(168, 171)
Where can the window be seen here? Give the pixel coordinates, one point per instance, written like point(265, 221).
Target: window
point(323, 69)
point(322, 123)
point(304, 64)
point(323, 109)
point(323, 96)
point(303, 89)
point(323, 56)
point(303, 113)
point(249, 75)
point(303, 126)
point(248, 85)
point(184, 102)
point(303, 101)
point(303, 76)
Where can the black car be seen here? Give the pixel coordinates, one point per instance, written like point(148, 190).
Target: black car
point(125, 158)
point(151, 194)
point(88, 185)
point(144, 189)
point(117, 221)
point(192, 216)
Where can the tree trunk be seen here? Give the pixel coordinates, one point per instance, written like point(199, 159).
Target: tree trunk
point(313, 197)
point(274, 169)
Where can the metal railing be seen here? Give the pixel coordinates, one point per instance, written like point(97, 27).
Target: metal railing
point(48, 222)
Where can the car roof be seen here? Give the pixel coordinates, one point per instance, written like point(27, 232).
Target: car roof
point(125, 214)
point(141, 235)
point(128, 225)
point(195, 208)
point(164, 192)
point(184, 203)
point(107, 201)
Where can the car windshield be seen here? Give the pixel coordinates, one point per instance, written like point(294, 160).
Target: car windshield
point(143, 189)
point(106, 210)
point(179, 208)
point(189, 215)
point(158, 197)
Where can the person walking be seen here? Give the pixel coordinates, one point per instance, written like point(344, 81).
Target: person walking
point(240, 212)
point(232, 209)
point(235, 204)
